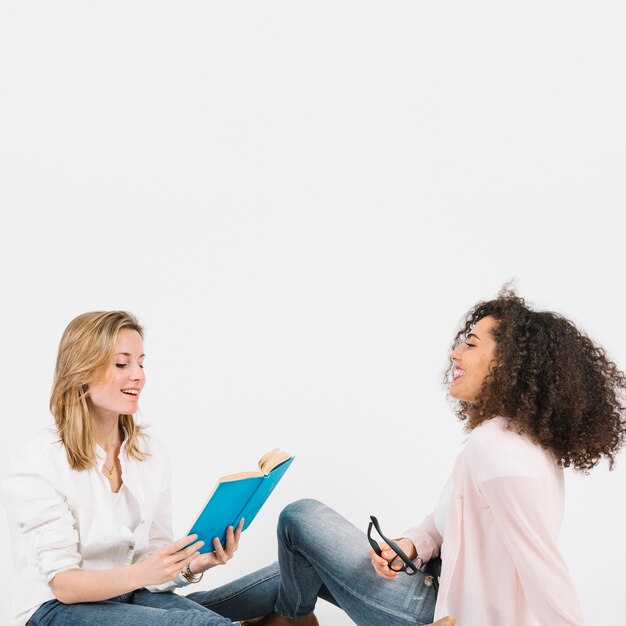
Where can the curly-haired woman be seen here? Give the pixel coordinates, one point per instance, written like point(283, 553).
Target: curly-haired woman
point(537, 395)
point(88, 503)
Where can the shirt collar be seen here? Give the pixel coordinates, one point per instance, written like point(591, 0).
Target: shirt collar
point(101, 454)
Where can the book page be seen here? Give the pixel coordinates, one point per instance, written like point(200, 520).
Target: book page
point(238, 476)
point(273, 458)
point(264, 490)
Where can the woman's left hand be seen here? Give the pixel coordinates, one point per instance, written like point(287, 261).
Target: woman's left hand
point(221, 555)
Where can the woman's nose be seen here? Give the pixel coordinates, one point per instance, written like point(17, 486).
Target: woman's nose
point(456, 353)
point(137, 373)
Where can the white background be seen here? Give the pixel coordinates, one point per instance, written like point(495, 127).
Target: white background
point(300, 201)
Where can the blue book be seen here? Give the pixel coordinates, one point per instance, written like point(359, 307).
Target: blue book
point(239, 495)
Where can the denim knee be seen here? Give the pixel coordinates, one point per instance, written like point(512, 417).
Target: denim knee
point(296, 516)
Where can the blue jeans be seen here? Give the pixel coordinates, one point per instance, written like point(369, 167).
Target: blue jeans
point(322, 555)
point(251, 596)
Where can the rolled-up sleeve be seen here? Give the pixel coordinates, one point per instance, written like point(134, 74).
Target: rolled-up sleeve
point(44, 528)
point(426, 538)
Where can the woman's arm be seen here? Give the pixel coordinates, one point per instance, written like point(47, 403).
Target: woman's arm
point(423, 541)
point(425, 538)
point(518, 484)
point(45, 530)
point(521, 519)
point(161, 531)
point(381, 563)
point(76, 585)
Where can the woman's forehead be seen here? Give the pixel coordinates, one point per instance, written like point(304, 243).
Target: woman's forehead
point(128, 341)
point(482, 329)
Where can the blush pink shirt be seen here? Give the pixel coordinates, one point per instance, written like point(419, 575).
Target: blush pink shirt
point(501, 565)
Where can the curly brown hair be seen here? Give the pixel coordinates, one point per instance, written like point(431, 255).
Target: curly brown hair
point(550, 381)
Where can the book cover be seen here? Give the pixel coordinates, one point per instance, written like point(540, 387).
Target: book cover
point(237, 496)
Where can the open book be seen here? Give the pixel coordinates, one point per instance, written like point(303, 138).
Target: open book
point(239, 495)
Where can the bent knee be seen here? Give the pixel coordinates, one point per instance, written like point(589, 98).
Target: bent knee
point(299, 513)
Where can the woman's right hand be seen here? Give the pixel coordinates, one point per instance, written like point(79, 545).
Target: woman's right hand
point(381, 563)
point(167, 562)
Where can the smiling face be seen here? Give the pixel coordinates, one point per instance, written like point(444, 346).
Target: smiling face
point(117, 393)
point(473, 360)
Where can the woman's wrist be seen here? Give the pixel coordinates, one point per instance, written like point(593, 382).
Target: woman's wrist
point(136, 576)
point(412, 550)
point(189, 575)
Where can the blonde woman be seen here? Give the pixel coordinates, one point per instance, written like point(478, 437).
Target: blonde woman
point(88, 504)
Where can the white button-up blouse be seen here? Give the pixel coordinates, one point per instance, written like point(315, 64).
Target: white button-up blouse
point(60, 518)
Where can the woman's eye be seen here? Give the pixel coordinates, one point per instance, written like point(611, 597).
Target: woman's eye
point(121, 365)
point(470, 345)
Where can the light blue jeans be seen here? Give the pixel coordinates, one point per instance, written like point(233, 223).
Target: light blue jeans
point(251, 596)
point(323, 555)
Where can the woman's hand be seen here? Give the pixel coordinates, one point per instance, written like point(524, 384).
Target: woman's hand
point(222, 554)
point(167, 562)
point(381, 563)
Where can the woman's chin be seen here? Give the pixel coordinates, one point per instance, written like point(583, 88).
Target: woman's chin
point(458, 394)
point(453, 391)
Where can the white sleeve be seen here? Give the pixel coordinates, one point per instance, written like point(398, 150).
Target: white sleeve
point(40, 518)
point(161, 528)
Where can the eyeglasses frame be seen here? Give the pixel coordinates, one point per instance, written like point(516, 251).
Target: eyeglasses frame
point(409, 567)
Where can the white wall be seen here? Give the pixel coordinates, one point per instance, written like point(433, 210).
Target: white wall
point(300, 201)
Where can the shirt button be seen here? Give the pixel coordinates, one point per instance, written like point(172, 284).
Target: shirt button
point(428, 581)
point(131, 548)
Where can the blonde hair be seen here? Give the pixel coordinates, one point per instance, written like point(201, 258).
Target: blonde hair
point(86, 351)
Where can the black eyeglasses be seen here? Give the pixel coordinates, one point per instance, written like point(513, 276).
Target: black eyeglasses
point(408, 567)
